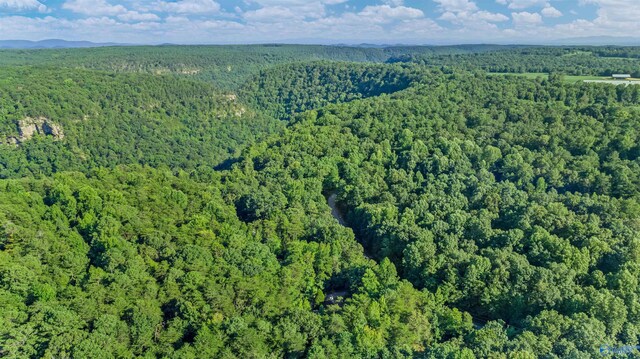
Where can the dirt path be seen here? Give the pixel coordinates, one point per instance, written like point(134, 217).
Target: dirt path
point(339, 216)
point(335, 211)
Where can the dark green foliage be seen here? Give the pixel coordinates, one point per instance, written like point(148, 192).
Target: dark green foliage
point(486, 216)
point(600, 61)
point(136, 261)
point(228, 67)
point(505, 197)
point(113, 119)
point(288, 89)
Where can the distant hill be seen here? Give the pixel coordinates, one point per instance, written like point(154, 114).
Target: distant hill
point(50, 44)
point(599, 41)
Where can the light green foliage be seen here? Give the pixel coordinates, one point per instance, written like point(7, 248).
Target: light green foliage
point(582, 63)
point(289, 89)
point(111, 119)
point(486, 216)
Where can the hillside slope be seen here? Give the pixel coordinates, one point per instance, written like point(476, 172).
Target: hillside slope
point(137, 262)
point(226, 67)
point(401, 211)
point(285, 90)
point(106, 119)
point(514, 200)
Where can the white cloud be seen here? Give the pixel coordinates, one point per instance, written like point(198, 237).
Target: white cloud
point(194, 21)
point(526, 18)
point(294, 5)
point(386, 13)
point(380, 22)
point(617, 10)
point(272, 14)
point(134, 16)
point(96, 21)
point(551, 11)
point(107, 29)
point(94, 7)
point(419, 27)
point(270, 10)
point(22, 5)
point(187, 6)
point(614, 18)
point(137, 21)
point(456, 5)
point(296, 2)
point(466, 14)
point(490, 16)
point(522, 4)
point(276, 11)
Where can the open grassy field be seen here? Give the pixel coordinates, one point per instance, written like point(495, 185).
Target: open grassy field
point(533, 75)
point(567, 78)
point(583, 78)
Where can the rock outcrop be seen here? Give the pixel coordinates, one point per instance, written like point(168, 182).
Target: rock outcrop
point(232, 99)
point(29, 127)
point(240, 111)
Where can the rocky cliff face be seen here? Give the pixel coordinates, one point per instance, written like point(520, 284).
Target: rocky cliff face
point(236, 109)
point(29, 127)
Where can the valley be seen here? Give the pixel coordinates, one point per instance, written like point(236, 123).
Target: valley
point(322, 202)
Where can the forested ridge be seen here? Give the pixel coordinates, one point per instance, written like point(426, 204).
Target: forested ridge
point(176, 215)
point(275, 91)
point(110, 119)
point(228, 67)
point(572, 60)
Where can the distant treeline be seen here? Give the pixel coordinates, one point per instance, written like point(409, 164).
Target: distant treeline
point(500, 215)
point(225, 66)
point(600, 61)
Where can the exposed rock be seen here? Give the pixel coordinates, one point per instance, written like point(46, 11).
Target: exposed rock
point(29, 127)
point(240, 111)
point(189, 71)
point(13, 141)
point(162, 71)
point(52, 129)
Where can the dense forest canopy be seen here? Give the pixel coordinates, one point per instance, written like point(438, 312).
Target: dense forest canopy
point(225, 66)
point(185, 214)
point(275, 91)
point(600, 61)
point(110, 119)
point(228, 67)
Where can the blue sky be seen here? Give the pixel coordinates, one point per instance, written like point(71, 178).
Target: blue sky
point(318, 21)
